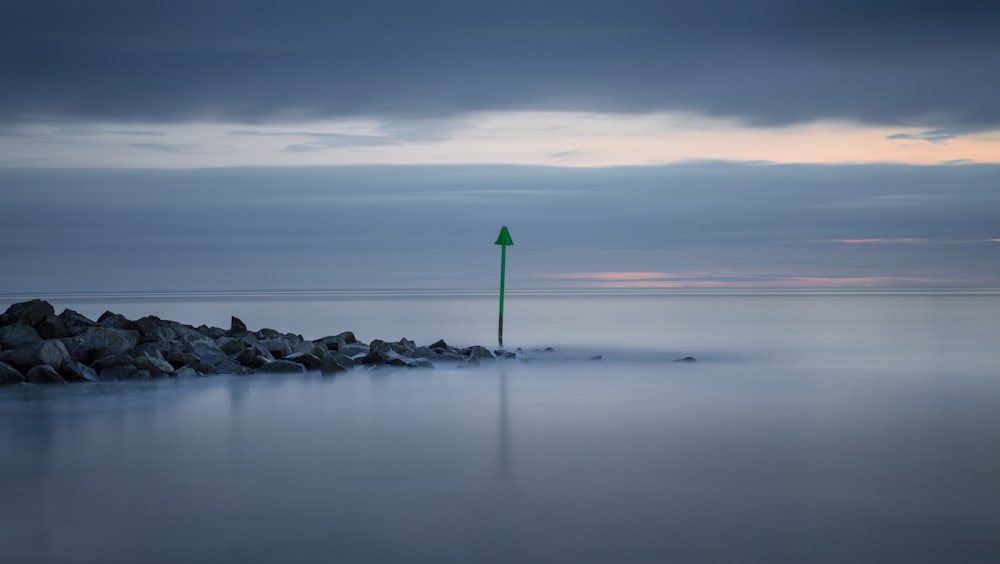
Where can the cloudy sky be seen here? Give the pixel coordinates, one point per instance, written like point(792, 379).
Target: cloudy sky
point(243, 144)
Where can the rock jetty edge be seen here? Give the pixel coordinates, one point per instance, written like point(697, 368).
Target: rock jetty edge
point(38, 346)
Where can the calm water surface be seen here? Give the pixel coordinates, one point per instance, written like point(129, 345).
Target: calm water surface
point(813, 428)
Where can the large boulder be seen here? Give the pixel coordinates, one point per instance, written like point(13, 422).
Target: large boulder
point(115, 321)
point(44, 374)
point(211, 355)
point(52, 352)
point(157, 367)
point(17, 334)
point(335, 362)
point(310, 361)
point(98, 342)
point(75, 323)
point(117, 367)
point(31, 312)
point(9, 374)
point(236, 326)
point(75, 371)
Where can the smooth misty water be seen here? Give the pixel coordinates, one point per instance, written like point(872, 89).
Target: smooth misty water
point(813, 428)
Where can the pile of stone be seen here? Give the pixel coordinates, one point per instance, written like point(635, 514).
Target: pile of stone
point(38, 346)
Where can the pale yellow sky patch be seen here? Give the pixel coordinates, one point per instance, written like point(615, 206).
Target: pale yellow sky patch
point(527, 138)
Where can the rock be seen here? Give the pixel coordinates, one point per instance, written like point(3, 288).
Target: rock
point(251, 358)
point(17, 334)
point(277, 347)
point(439, 344)
point(236, 326)
point(44, 374)
point(75, 323)
point(52, 352)
point(98, 342)
point(282, 366)
point(308, 360)
point(686, 359)
point(230, 345)
point(115, 321)
point(155, 366)
point(209, 353)
point(52, 327)
point(404, 347)
point(355, 350)
point(9, 374)
point(31, 312)
point(186, 372)
point(333, 363)
point(476, 352)
point(179, 359)
point(75, 371)
point(598, 357)
point(152, 328)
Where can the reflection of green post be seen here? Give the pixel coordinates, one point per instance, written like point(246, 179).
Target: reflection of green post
point(503, 240)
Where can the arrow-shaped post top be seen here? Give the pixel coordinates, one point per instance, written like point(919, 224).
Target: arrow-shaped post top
point(504, 237)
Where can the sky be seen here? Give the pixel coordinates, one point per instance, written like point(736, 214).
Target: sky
point(723, 144)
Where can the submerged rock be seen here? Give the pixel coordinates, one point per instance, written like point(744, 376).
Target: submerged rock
point(686, 359)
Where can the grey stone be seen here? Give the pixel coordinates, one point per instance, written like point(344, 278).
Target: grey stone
point(9, 374)
point(308, 360)
point(52, 352)
point(154, 365)
point(476, 352)
point(44, 374)
point(237, 326)
point(75, 323)
point(186, 372)
point(152, 328)
point(115, 321)
point(52, 327)
point(277, 347)
point(282, 366)
point(75, 371)
point(17, 334)
point(178, 359)
point(31, 312)
point(439, 344)
point(98, 342)
point(354, 350)
point(333, 363)
point(209, 353)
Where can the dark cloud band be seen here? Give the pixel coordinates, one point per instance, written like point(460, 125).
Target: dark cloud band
point(767, 61)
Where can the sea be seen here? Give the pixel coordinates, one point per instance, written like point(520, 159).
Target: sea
point(812, 426)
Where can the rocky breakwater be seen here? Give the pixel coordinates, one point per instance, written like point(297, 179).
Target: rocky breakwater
point(38, 346)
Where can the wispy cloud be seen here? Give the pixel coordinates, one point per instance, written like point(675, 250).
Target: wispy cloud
point(932, 136)
point(176, 149)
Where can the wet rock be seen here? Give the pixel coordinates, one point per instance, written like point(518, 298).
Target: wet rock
point(44, 374)
point(209, 353)
point(98, 342)
point(308, 360)
point(355, 350)
point(180, 359)
point(439, 344)
point(477, 352)
point(75, 323)
point(277, 347)
point(186, 372)
point(115, 321)
point(116, 367)
point(31, 312)
point(17, 334)
point(335, 362)
point(75, 371)
point(9, 374)
point(52, 327)
point(155, 366)
point(236, 326)
point(52, 352)
point(282, 366)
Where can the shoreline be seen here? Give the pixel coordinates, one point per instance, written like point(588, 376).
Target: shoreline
point(39, 346)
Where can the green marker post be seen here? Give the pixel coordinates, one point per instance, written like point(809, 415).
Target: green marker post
point(503, 240)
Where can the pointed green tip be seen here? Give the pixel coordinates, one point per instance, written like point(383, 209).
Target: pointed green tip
point(504, 237)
